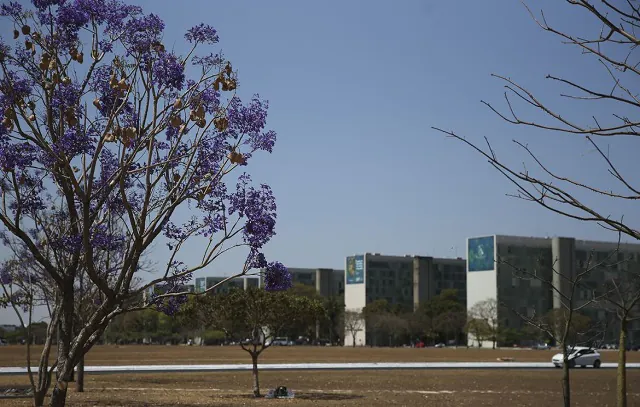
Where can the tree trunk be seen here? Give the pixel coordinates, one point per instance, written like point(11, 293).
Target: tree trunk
point(354, 339)
point(622, 364)
point(566, 383)
point(64, 332)
point(80, 376)
point(38, 397)
point(256, 382)
point(59, 393)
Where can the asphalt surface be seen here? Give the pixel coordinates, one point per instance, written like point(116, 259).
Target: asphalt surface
point(313, 366)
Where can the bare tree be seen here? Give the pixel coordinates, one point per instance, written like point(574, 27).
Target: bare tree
point(613, 46)
point(353, 323)
point(565, 323)
point(623, 301)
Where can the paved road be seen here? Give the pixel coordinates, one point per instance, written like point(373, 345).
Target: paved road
point(312, 366)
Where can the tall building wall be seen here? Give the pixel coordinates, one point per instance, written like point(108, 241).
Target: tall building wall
point(531, 275)
point(522, 266)
point(402, 281)
point(421, 284)
point(355, 295)
point(481, 275)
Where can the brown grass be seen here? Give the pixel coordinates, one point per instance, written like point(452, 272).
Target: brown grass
point(350, 388)
point(138, 354)
point(332, 388)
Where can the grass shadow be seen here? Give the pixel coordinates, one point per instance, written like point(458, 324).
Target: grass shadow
point(316, 396)
point(328, 396)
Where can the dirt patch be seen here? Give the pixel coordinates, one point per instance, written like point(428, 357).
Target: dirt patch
point(464, 388)
point(140, 354)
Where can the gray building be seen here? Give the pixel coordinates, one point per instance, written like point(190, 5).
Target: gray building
point(205, 283)
point(327, 282)
point(403, 281)
point(530, 275)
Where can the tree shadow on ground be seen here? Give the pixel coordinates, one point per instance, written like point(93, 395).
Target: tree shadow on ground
point(305, 396)
point(327, 396)
point(131, 403)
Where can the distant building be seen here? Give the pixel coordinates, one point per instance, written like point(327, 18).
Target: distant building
point(8, 328)
point(327, 282)
point(403, 281)
point(493, 264)
point(205, 283)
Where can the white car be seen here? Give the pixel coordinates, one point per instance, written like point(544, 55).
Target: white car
point(579, 356)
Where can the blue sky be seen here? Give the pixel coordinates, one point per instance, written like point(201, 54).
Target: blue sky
point(354, 88)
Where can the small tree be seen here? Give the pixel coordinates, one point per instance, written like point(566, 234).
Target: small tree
point(565, 324)
point(254, 318)
point(334, 306)
point(623, 299)
point(353, 323)
point(373, 314)
point(477, 328)
point(487, 311)
point(451, 324)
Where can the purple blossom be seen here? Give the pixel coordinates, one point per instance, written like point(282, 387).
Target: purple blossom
point(69, 243)
point(277, 277)
point(113, 13)
point(250, 121)
point(16, 156)
point(172, 305)
point(202, 34)
point(70, 18)
point(75, 141)
point(107, 97)
point(256, 260)
point(14, 88)
point(103, 239)
point(205, 95)
point(259, 208)
point(142, 32)
point(168, 71)
point(42, 5)
point(12, 9)
point(65, 96)
point(5, 274)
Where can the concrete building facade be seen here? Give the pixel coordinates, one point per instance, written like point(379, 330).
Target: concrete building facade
point(327, 282)
point(204, 283)
point(526, 276)
point(403, 281)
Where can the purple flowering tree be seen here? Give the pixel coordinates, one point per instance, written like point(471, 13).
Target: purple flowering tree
point(25, 286)
point(102, 125)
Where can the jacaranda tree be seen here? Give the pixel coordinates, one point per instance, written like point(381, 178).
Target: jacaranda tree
point(103, 125)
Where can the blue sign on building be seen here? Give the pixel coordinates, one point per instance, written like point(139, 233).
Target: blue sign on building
point(355, 269)
point(480, 253)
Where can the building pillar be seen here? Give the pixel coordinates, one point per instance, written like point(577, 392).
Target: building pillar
point(564, 267)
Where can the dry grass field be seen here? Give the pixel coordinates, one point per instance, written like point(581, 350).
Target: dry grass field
point(350, 388)
point(591, 387)
point(159, 355)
